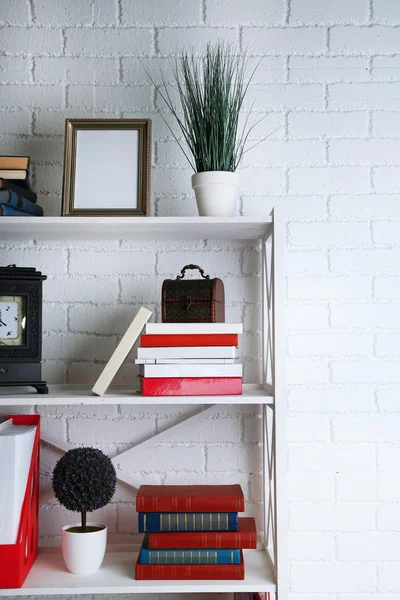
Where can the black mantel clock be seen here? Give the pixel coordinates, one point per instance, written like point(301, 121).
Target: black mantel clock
point(21, 327)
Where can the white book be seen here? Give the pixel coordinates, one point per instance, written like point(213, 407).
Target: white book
point(121, 351)
point(16, 445)
point(190, 370)
point(184, 361)
point(188, 352)
point(193, 328)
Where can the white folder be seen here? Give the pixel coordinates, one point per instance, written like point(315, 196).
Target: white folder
point(16, 446)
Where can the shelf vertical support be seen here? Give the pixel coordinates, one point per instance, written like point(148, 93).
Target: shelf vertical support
point(280, 405)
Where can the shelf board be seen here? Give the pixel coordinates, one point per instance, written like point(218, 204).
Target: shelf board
point(134, 228)
point(49, 577)
point(81, 395)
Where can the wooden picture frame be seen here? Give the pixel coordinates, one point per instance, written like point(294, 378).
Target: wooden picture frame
point(107, 165)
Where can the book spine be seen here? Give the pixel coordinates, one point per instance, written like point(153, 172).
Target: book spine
point(158, 522)
point(184, 361)
point(23, 183)
point(157, 341)
point(184, 572)
point(21, 203)
point(14, 162)
point(191, 386)
point(5, 184)
point(227, 539)
point(193, 328)
point(10, 211)
point(186, 352)
point(191, 504)
point(189, 557)
point(196, 370)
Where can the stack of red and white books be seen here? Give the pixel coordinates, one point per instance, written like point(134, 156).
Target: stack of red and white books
point(190, 359)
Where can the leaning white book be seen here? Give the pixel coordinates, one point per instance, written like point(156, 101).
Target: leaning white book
point(190, 370)
point(193, 328)
point(16, 446)
point(187, 352)
point(121, 351)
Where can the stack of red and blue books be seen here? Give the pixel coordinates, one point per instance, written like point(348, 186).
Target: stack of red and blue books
point(193, 532)
point(189, 359)
point(16, 196)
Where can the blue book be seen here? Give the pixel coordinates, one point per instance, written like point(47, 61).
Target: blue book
point(203, 556)
point(156, 522)
point(9, 211)
point(10, 198)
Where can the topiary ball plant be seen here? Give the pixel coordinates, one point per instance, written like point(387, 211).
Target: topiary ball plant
point(84, 480)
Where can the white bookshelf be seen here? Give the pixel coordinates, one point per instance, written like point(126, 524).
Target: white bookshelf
point(266, 569)
point(72, 395)
point(49, 577)
point(133, 228)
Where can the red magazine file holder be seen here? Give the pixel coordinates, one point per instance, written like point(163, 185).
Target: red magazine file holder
point(16, 560)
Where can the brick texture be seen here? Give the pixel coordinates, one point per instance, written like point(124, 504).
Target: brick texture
point(329, 83)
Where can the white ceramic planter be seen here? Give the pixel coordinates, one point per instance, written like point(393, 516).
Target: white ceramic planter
point(216, 193)
point(84, 552)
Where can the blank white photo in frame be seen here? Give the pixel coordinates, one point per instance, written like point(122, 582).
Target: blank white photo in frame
point(106, 169)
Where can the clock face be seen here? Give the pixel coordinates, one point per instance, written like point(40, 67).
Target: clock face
point(12, 321)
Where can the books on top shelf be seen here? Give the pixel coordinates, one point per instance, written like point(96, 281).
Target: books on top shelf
point(193, 526)
point(188, 359)
point(16, 445)
point(11, 199)
point(5, 184)
point(16, 196)
point(13, 173)
point(14, 162)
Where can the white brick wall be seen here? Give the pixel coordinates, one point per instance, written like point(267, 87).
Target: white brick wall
point(329, 77)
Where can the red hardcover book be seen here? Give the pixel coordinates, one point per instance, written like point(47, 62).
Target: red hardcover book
point(150, 340)
point(190, 498)
point(222, 572)
point(251, 596)
point(190, 386)
point(245, 537)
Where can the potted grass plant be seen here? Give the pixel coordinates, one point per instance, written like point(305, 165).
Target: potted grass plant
point(211, 91)
point(84, 480)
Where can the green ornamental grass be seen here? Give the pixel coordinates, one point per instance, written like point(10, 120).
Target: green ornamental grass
point(211, 91)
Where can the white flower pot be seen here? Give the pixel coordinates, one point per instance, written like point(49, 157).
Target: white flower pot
point(216, 193)
point(84, 552)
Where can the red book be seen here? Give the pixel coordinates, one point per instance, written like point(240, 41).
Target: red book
point(190, 386)
point(150, 340)
point(190, 571)
point(190, 498)
point(251, 596)
point(245, 537)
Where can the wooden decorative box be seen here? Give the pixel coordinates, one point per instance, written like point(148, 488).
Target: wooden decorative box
point(193, 300)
